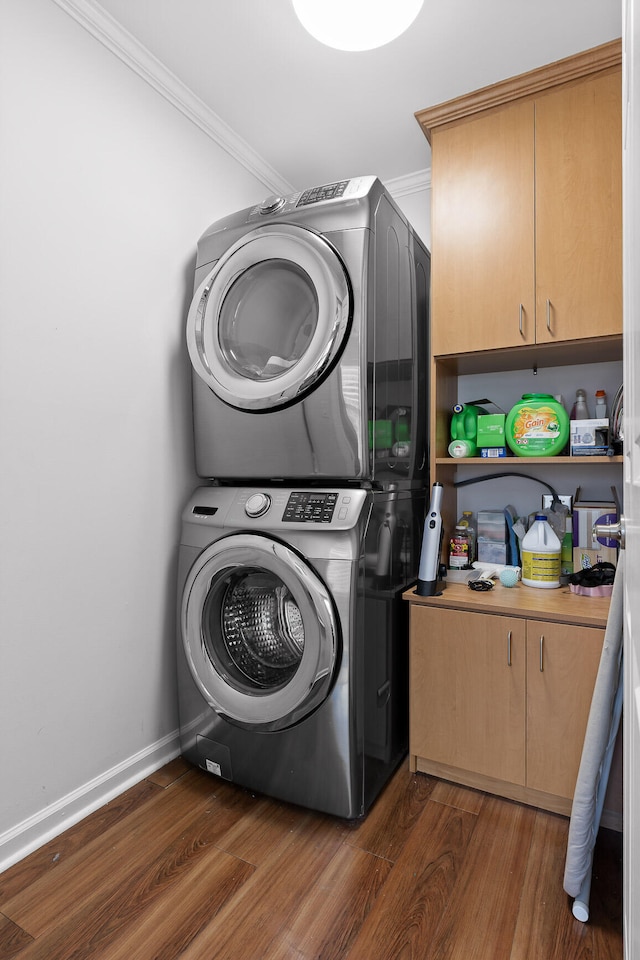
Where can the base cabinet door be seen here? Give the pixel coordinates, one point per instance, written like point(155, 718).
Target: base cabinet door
point(562, 665)
point(467, 691)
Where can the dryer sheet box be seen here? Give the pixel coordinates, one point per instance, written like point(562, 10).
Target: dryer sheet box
point(587, 549)
point(589, 438)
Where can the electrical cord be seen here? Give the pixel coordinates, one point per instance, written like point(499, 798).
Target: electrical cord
point(509, 473)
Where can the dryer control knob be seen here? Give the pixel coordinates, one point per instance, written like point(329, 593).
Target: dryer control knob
point(272, 204)
point(257, 504)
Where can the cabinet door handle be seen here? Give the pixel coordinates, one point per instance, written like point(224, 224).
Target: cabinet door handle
point(509, 649)
point(548, 315)
point(520, 319)
point(541, 653)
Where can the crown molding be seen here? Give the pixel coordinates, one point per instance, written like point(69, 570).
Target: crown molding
point(607, 56)
point(409, 183)
point(103, 27)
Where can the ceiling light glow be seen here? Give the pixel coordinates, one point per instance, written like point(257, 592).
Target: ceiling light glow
point(356, 24)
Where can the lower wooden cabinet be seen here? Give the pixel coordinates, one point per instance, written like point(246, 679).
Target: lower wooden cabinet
point(562, 664)
point(499, 699)
point(467, 691)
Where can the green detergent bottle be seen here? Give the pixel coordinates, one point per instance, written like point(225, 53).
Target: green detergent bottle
point(464, 429)
point(537, 426)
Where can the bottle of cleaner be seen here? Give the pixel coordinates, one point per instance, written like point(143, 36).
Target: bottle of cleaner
point(541, 552)
point(467, 520)
point(580, 411)
point(462, 448)
point(566, 547)
point(459, 548)
point(601, 405)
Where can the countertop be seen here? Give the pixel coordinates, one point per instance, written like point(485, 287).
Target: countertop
point(559, 605)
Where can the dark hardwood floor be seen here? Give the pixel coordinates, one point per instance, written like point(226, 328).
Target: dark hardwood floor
point(186, 865)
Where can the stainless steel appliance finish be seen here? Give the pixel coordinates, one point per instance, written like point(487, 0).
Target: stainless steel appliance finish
point(307, 335)
point(292, 650)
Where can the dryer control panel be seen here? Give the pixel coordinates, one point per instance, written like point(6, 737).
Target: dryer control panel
point(328, 191)
point(340, 190)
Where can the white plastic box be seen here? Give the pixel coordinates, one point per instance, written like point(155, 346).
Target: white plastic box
point(492, 536)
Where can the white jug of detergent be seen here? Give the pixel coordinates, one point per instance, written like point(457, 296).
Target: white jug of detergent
point(540, 550)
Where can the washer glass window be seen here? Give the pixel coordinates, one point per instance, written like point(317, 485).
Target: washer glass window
point(268, 319)
point(259, 631)
point(253, 630)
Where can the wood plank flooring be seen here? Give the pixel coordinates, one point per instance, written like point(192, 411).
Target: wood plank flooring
point(187, 866)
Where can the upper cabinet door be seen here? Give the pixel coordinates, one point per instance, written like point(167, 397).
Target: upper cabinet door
point(526, 208)
point(483, 232)
point(579, 210)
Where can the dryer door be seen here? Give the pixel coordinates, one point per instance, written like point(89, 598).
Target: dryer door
point(269, 321)
point(259, 631)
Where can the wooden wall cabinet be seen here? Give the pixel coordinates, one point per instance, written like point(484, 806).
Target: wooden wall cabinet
point(527, 209)
point(500, 697)
point(526, 272)
point(526, 237)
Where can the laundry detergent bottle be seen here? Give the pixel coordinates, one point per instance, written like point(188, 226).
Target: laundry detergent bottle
point(464, 430)
point(541, 552)
point(537, 426)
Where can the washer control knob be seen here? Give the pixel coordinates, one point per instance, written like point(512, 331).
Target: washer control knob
point(257, 504)
point(272, 204)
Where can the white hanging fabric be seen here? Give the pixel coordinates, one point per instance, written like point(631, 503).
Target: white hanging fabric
point(600, 738)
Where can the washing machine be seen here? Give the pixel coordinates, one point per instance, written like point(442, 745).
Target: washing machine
point(292, 649)
point(307, 336)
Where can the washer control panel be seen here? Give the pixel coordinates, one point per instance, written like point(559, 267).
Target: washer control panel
point(281, 509)
point(307, 506)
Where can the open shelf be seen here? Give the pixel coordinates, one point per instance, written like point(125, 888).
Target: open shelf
point(507, 462)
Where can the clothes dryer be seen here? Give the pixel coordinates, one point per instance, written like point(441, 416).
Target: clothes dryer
point(307, 335)
point(292, 649)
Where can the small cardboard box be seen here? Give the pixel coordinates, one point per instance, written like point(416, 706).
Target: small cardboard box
point(585, 514)
point(589, 438)
point(493, 453)
point(583, 559)
point(491, 430)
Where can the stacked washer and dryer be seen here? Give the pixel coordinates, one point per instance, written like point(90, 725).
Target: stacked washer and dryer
point(308, 341)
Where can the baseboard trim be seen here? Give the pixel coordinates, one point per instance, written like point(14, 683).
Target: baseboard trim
point(35, 831)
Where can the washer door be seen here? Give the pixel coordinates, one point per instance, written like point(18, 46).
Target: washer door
point(270, 319)
point(259, 632)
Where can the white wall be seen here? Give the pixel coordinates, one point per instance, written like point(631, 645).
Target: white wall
point(105, 189)
point(413, 196)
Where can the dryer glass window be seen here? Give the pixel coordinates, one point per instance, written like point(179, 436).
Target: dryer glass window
point(253, 630)
point(268, 319)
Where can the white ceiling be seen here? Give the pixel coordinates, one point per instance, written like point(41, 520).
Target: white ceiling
point(316, 114)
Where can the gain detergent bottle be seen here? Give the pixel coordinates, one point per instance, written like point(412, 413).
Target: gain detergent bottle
point(537, 426)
